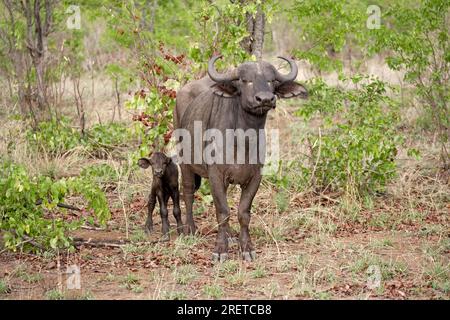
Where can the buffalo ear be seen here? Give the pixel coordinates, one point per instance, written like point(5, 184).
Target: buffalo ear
point(144, 163)
point(225, 89)
point(290, 89)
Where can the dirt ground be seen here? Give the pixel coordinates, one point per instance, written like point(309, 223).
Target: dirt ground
point(302, 254)
point(309, 246)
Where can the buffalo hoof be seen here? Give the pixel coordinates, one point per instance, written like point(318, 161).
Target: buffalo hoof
point(180, 230)
point(190, 230)
point(222, 257)
point(165, 237)
point(249, 256)
point(148, 229)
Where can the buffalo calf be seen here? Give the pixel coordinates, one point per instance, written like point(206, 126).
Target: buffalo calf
point(164, 186)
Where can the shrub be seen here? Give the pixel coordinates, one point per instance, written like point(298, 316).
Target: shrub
point(107, 136)
point(54, 136)
point(24, 220)
point(357, 154)
point(100, 173)
point(154, 125)
point(417, 38)
point(57, 137)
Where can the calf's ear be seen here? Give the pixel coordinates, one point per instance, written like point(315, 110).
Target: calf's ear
point(144, 163)
point(291, 89)
point(225, 89)
point(168, 160)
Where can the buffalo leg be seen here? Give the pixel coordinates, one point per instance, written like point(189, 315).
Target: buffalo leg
point(188, 195)
point(150, 207)
point(177, 211)
point(245, 203)
point(219, 193)
point(162, 199)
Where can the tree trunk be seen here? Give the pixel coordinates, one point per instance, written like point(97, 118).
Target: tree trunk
point(32, 90)
point(38, 30)
point(21, 69)
point(254, 43)
point(116, 89)
point(148, 15)
point(247, 42)
point(78, 95)
point(151, 28)
point(258, 34)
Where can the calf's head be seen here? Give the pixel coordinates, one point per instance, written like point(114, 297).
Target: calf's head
point(258, 84)
point(158, 161)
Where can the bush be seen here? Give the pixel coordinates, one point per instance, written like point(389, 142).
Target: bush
point(358, 153)
point(54, 136)
point(417, 38)
point(100, 174)
point(107, 136)
point(153, 126)
point(57, 137)
point(24, 220)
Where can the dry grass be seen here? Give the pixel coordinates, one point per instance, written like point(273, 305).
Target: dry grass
point(309, 246)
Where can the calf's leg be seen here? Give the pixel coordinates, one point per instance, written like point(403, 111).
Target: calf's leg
point(150, 207)
point(177, 210)
point(162, 199)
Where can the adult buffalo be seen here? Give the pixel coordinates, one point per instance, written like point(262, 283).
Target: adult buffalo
point(238, 99)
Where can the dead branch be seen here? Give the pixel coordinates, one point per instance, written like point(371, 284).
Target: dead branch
point(114, 243)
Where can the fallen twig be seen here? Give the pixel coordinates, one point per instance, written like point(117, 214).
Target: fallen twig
point(27, 239)
point(100, 243)
point(112, 242)
point(60, 205)
point(93, 228)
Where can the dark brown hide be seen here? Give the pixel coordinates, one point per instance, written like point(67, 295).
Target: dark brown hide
point(239, 99)
point(164, 186)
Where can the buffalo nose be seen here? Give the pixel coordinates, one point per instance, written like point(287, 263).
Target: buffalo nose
point(265, 98)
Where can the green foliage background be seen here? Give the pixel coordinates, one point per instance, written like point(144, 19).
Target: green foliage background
point(164, 47)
